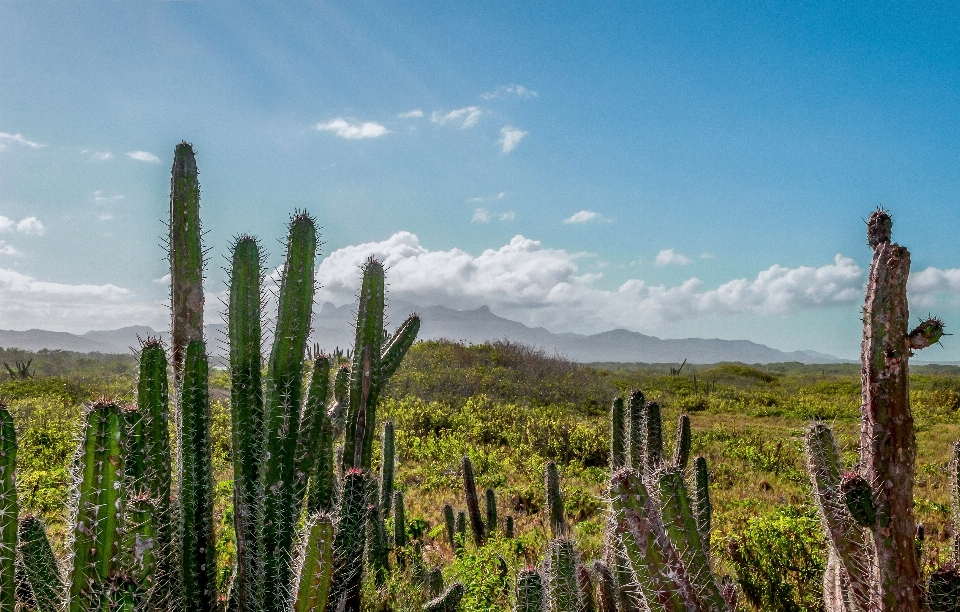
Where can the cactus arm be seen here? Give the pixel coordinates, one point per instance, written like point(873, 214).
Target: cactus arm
point(561, 571)
point(378, 547)
point(9, 511)
point(661, 577)
point(387, 465)
point(491, 504)
point(653, 439)
point(846, 539)
point(529, 591)
point(40, 565)
point(681, 448)
point(399, 344)
point(635, 439)
point(554, 498)
point(448, 601)
point(316, 565)
point(681, 528)
point(282, 408)
point(618, 448)
point(312, 422)
point(887, 436)
point(473, 503)
point(198, 570)
point(97, 514)
point(186, 254)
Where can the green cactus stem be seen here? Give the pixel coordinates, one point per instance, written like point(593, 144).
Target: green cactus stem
point(562, 575)
point(140, 551)
point(473, 503)
point(378, 546)
point(618, 440)
point(198, 557)
point(508, 527)
point(551, 477)
point(448, 601)
point(388, 462)
point(587, 601)
point(635, 435)
point(399, 527)
point(681, 448)
point(703, 509)
point(530, 596)
point(313, 425)
point(653, 439)
point(399, 344)
point(858, 497)
point(40, 565)
point(461, 536)
point(186, 254)
point(9, 510)
point(122, 594)
point(449, 521)
point(96, 516)
point(491, 506)
point(284, 381)
point(606, 587)
point(341, 384)
point(322, 488)
point(943, 589)
point(348, 543)
point(315, 566)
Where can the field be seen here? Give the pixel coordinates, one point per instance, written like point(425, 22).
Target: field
point(512, 408)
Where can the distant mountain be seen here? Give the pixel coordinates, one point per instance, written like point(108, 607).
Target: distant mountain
point(333, 327)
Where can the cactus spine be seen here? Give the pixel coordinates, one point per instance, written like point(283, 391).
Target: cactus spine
point(186, 254)
point(40, 565)
point(9, 510)
point(316, 565)
point(868, 513)
point(529, 591)
point(448, 601)
point(618, 435)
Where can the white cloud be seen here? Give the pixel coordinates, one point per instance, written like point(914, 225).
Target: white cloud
point(584, 216)
point(8, 249)
point(101, 199)
point(928, 285)
point(98, 155)
point(411, 114)
point(6, 224)
point(480, 215)
point(163, 280)
point(507, 216)
point(540, 286)
point(668, 257)
point(504, 91)
point(499, 196)
point(17, 139)
point(353, 131)
point(144, 156)
point(469, 114)
point(31, 226)
point(510, 138)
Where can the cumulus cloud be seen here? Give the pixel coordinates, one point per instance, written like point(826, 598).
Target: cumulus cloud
point(411, 114)
point(480, 215)
point(510, 138)
point(469, 115)
point(668, 257)
point(8, 249)
point(504, 91)
point(353, 131)
point(27, 225)
point(144, 156)
point(584, 216)
point(527, 282)
point(926, 287)
point(6, 138)
point(30, 303)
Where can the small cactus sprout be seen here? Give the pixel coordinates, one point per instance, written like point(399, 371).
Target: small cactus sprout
point(186, 254)
point(858, 497)
point(618, 431)
point(943, 589)
point(491, 503)
point(681, 449)
point(529, 591)
point(450, 521)
point(315, 565)
point(40, 565)
point(635, 437)
point(473, 503)
point(387, 464)
point(928, 332)
point(9, 510)
point(448, 601)
point(561, 571)
point(558, 525)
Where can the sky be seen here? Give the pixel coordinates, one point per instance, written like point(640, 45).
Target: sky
point(679, 169)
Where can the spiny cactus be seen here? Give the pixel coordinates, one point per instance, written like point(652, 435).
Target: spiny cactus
point(635, 432)
point(491, 505)
point(378, 546)
point(473, 503)
point(348, 544)
point(449, 521)
point(315, 567)
point(868, 513)
point(561, 573)
point(530, 591)
point(140, 550)
point(558, 526)
point(186, 254)
point(448, 601)
point(9, 511)
point(681, 450)
point(618, 435)
point(606, 588)
point(388, 462)
point(460, 538)
point(315, 440)
point(40, 565)
point(587, 601)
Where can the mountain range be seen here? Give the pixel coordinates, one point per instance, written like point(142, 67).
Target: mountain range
point(333, 327)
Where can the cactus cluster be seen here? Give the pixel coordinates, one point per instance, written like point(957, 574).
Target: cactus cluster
point(867, 512)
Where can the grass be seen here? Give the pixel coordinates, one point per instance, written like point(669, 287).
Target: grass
point(511, 409)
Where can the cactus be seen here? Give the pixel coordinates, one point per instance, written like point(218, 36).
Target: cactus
point(186, 254)
point(635, 433)
point(449, 520)
point(653, 435)
point(703, 509)
point(473, 503)
point(198, 558)
point(140, 549)
point(314, 455)
point(943, 589)
point(491, 504)
point(315, 567)
point(461, 536)
point(587, 601)
point(868, 514)
point(9, 510)
point(399, 527)
point(40, 565)
point(618, 435)
point(448, 601)
point(681, 449)
point(551, 476)
point(387, 464)
point(378, 546)
point(508, 527)
point(348, 543)
point(561, 572)
point(434, 583)
point(529, 591)
point(606, 588)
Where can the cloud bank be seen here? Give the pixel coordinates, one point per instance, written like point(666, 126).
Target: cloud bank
point(353, 131)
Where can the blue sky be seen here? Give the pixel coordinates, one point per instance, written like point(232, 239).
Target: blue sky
point(672, 168)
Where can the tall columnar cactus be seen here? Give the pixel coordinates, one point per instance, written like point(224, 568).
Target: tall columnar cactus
point(313, 446)
point(186, 254)
point(348, 543)
point(198, 557)
point(378, 545)
point(315, 568)
point(561, 572)
point(9, 510)
point(140, 550)
point(96, 516)
point(529, 591)
point(868, 511)
point(491, 505)
point(473, 503)
point(635, 433)
point(282, 408)
point(551, 477)
point(618, 435)
point(388, 462)
point(40, 565)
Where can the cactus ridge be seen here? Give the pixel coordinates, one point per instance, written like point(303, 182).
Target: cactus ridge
point(314, 567)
